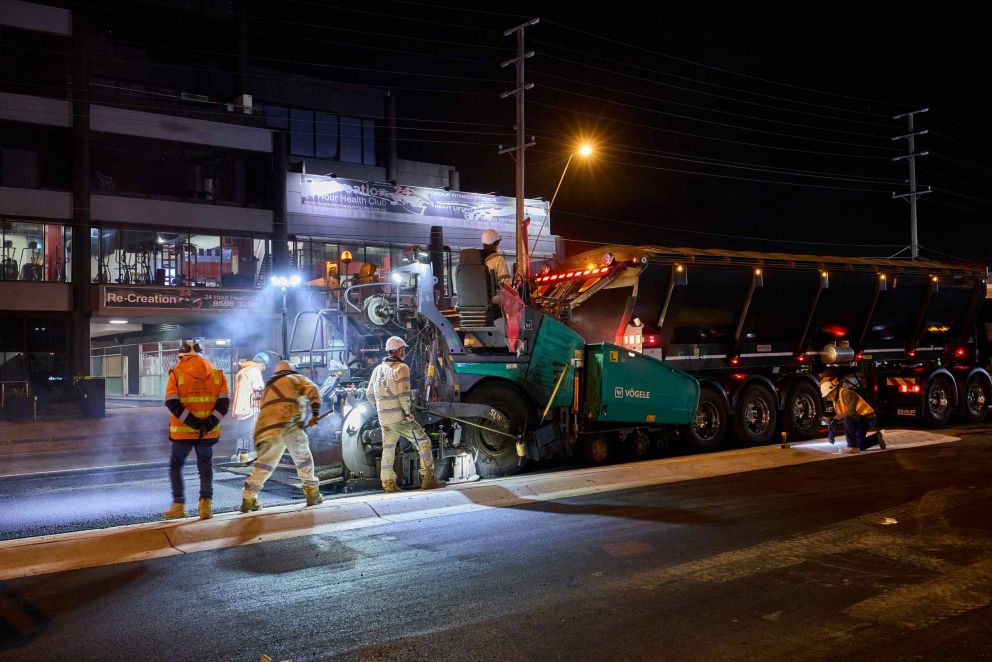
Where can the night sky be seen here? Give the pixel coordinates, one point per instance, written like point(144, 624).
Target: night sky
point(678, 87)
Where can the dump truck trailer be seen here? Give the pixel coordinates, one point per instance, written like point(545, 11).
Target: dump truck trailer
point(756, 330)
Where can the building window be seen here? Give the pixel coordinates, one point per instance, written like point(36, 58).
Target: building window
point(301, 132)
point(34, 156)
point(368, 142)
point(351, 140)
point(163, 170)
point(33, 251)
point(276, 117)
point(326, 131)
point(167, 257)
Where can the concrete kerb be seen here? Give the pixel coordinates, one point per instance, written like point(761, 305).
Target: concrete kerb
point(72, 551)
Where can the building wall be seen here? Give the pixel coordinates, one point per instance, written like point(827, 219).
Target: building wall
point(421, 173)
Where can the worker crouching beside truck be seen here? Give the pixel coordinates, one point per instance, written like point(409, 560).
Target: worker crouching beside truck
point(389, 391)
point(851, 410)
point(280, 427)
point(197, 399)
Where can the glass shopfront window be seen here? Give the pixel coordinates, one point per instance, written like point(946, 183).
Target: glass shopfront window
point(33, 251)
point(162, 257)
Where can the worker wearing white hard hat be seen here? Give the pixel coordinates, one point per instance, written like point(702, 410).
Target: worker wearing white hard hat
point(493, 260)
point(389, 391)
point(851, 410)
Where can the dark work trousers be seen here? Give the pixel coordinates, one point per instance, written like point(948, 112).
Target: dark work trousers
point(204, 457)
point(856, 430)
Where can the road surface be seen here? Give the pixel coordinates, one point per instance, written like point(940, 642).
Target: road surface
point(878, 556)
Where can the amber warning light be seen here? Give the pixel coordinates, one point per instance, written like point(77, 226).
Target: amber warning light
point(568, 275)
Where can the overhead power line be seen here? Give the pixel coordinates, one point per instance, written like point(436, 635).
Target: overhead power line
point(628, 92)
point(705, 137)
point(723, 124)
point(702, 82)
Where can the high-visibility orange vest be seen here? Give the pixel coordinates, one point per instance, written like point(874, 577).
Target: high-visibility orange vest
point(198, 386)
point(862, 408)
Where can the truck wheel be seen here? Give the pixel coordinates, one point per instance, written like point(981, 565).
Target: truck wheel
point(803, 411)
point(709, 427)
point(497, 454)
point(976, 400)
point(756, 415)
point(937, 404)
point(596, 450)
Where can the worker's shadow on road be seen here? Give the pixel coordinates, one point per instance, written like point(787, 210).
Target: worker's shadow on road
point(301, 552)
point(29, 606)
point(496, 496)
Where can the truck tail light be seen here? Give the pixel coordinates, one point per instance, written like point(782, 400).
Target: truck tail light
point(959, 352)
point(735, 360)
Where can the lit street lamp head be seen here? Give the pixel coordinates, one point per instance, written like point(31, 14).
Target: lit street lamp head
point(585, 150)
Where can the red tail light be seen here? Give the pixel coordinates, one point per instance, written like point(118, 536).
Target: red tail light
point(801, 358)
point(735, 360)
point(959, 352)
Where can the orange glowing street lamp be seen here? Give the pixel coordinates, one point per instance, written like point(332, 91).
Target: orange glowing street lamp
point(584, 150)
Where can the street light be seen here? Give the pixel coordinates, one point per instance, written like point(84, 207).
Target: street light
point(284, 283)
point(584, 150)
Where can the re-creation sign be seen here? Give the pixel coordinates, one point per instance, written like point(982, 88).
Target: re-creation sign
point(185, 298)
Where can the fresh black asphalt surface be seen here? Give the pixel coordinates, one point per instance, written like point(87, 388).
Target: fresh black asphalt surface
point(883, 556)
point(78, 500)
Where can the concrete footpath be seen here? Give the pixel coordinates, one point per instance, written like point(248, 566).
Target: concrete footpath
point(70, 551)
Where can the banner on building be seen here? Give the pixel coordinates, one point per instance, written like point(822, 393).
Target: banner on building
point(182, 298)
point(352, 198)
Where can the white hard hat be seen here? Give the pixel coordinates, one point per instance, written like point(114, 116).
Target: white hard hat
point(490, 237)
point(395, 343)
point(827, 386)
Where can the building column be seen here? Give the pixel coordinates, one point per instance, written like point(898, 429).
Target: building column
point(280, 230)
point(82, 306)
point(391, 156)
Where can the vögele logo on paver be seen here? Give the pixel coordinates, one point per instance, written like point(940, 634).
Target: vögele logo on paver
point(618, 392)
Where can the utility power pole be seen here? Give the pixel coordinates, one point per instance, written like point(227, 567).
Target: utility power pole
point(914, 242)
point(523, 258)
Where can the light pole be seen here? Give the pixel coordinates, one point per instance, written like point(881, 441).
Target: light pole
point(284, 283)
point(584, 150)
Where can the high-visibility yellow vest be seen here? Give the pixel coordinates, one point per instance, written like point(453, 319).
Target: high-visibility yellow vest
point(862, 408)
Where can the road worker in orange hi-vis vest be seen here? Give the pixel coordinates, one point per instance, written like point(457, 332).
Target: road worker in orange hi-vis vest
point(197, 399)
point(851, 410)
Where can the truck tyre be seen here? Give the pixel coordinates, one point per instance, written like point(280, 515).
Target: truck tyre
point(803, 411)
point(709, 427)
point(596, 449)
point(937, 404)
point(497, 454)
point(976, 399)
point(756, 415)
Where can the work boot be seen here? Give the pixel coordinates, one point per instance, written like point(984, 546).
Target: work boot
point(429, 482)
point(849, 450)
point(205, 508)
point(177, 511)
point(389, 486)
point(313, 495)
point(249, 504)
point(881, 441)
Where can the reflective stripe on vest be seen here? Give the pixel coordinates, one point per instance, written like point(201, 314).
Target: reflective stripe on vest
point(862, 408)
